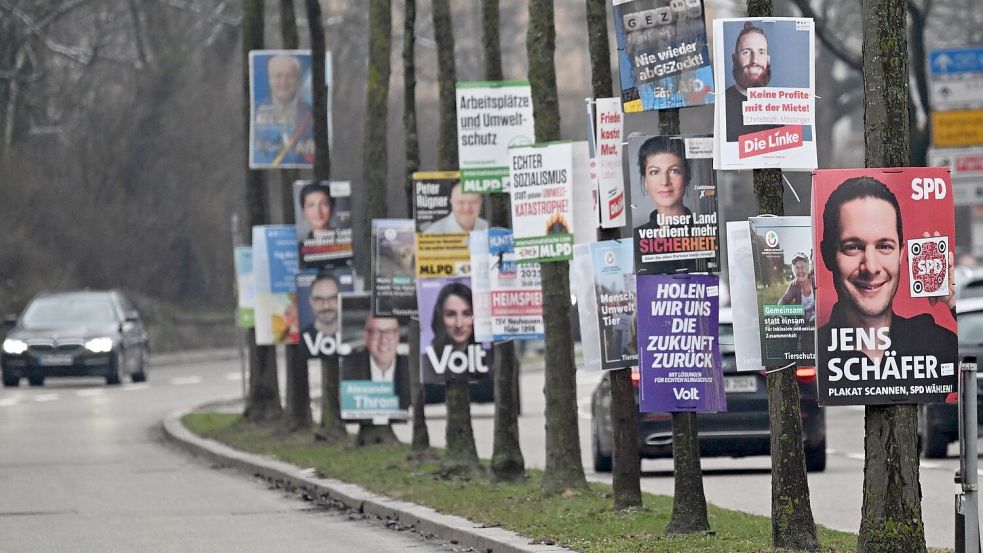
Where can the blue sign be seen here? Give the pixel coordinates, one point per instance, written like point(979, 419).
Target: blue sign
point(281, 247)
point(952, 61)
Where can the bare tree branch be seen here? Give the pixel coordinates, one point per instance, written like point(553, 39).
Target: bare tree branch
point(832, 43)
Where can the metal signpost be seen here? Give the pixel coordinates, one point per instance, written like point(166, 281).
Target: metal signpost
point(967, 493)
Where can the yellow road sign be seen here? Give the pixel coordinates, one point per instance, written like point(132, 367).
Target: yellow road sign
point(957, 128)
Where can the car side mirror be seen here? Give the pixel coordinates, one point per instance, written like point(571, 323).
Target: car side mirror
point(10, 320)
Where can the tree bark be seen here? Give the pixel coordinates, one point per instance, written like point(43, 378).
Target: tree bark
point(891, 517)
point(374, 151)
point(319, 91)
point(461, 457)
point(421, 436)
point(626, 461)
point(372, 434)
point(332, 428)
point(564, 469)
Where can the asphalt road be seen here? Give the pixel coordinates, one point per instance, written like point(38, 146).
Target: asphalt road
point(84, 468)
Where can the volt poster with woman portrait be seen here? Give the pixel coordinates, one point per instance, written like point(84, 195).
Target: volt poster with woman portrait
point(674, 204)
point(448, 348)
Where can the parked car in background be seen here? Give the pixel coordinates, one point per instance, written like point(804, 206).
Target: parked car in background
point(938, 423)
point(742, 431)
point(66, 334)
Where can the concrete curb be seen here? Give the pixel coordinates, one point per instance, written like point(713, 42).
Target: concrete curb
point(407, 515)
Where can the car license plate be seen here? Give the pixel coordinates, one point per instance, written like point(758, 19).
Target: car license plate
point(56, 360)
point(740, 384)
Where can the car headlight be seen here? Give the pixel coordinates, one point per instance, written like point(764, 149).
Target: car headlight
point(99, 345)
point(14, 347)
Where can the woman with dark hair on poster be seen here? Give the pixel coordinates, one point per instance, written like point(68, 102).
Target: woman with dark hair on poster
point(665, 176)
point(453, 349)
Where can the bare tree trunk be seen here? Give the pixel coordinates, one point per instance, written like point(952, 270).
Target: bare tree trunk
point(507, 463)
point(891, 517)
point(263, 399)
point(374, 151)
point(462, 457)
point(332, 428)
point(564, 469)
point(421, 437)
point(373, 434)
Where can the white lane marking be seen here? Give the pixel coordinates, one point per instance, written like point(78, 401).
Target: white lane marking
point(583, 407)
point(90, 392)
point(45, 397)
point(9, 401)
point(857, 456)
point(135, 387)
point(233, 376)
point(925, 465)
point(186, 380)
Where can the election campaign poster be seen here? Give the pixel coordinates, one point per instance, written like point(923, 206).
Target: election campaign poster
point(375, 372)
point(614, 288)
point(245, 287)
point(743, 297)
point(281, 130)
point(516, 291)
point(885, 309)
point(679, 353)
point(393, 268)
point(585, 214)
point(274, 269)
point(481, 282)
point(542, 201)
point(607, 163)
point(582, 275)
point(674, 204)
point(765, 77)
point(785, 278)
point(444, 216)
point(448, 348)
point(663, 54)
point(323, 213)
point(491, 117)
point(317, 306)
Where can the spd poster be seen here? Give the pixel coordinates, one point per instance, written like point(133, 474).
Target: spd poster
point(491, 117)
point(393, 268)
point(542, 201)
point(765, 78)
point(323, 213)
point(448, 348)
point(885, 309)
point(663, 54)
point(679, 351)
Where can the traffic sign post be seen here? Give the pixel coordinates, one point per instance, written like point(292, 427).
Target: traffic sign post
point(956, 78)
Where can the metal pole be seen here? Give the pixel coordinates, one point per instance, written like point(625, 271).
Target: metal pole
point(967, 502)
point(240, 332)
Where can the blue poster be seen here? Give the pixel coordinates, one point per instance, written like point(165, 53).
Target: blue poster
point(281, 243)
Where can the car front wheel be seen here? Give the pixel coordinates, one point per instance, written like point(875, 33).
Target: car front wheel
point(112, 379)
point(602, 462)
point(816, 457)
point(11, 381)
point(935, 445)
point(141, 374)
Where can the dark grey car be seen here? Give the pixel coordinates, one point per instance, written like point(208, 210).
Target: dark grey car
point(71, 334)
point(741, 431)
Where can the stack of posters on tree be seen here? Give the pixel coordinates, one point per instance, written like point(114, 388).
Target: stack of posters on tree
point(444, 216)
point(663, 55)
point(281, 130)
point(324, 222)
point(766, 109)
point(393, 268)
point(614, 294)
point(674, 204)
point(375, 377)
point(542, 201)
point(491, 117)
point(885, 312)
point(679, 352)
point(317, 304)
point(786, 290)
point(274, 269)
point(448, 348)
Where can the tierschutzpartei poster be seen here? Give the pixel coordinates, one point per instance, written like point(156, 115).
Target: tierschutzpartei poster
point(679, 350)
point(317, 305)
point(323, 213)
point(663, 54)
point(542, 201)
point(784, 272)
point(885, 309)
point(674, 204)
point(614, 289)
point(448, 348)
point(766, 108)
point(491, 117)
point(393, 268)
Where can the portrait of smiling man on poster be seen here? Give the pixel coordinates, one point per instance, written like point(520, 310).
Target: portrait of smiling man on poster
point(886, 302)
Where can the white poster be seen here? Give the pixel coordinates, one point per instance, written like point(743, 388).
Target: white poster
point(480, 285)
point(744, 297)
point(542, 200)
point(610, 177)
point(582, 273)
point(491, 117)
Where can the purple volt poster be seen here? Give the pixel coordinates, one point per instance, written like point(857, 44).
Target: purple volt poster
point(679, 354)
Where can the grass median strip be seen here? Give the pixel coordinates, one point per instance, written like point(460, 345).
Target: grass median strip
point(582, 521)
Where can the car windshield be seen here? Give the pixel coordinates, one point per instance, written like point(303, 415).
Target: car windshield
point(57, 312)
point(726, 337)
point(971, 328)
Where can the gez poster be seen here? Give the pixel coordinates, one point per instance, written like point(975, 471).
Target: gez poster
point(674, 204)
point(885, 312)
point(393, 268)
point(281, 130)
point(317, 305)
point(542, 201)
point(375, 372)
point(323, 213)
point(663, 54)
point(766, 108)
point(444, 215)
point(679, 351)
point(614, 289)
point(448, 348)
point(274, 270)
point(491, 117)
point(784, 273)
